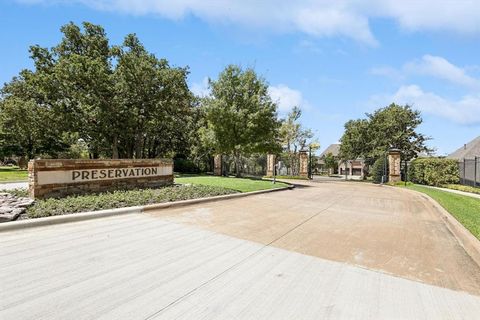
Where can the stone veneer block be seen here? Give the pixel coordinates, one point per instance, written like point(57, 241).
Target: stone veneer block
point(394, 165)
point(303, 157)
point(217, 165)
point(270, 165)
point(59, 178)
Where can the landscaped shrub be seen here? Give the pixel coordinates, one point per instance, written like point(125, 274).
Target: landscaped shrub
point(377, 170)
point(121, 198)
point(185, 166)
point(433, 171)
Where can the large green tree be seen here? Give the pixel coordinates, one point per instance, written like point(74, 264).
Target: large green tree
point(28, 126)
point(241, 116)
point(394, 126)
point(154, 100)
point(121, 101)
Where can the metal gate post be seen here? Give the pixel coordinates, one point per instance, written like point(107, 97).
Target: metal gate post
point(475, 173)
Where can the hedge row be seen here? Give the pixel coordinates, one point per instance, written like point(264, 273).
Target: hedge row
point(378, 170)
point(122, 198)
point(433, 171)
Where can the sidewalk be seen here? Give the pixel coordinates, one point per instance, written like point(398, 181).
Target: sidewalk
point(463, 193)
point(13, 185)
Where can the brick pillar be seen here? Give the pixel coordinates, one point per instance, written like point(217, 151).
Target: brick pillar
point(394, 165)
point(270, 165)
point(217, 165)
point(32, 179)
point(303, 164)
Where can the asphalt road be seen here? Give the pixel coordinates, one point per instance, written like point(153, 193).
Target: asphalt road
point(321, 251)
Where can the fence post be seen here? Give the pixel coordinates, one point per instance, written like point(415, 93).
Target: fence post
point(475, 173)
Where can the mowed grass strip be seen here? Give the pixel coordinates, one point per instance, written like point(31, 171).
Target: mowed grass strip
point(464, 208)
point(12, 174)
point(237, 184)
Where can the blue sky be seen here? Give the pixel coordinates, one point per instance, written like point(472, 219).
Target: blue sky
point(336, 59)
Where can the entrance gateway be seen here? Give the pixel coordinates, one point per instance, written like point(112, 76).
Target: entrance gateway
point(57, 178)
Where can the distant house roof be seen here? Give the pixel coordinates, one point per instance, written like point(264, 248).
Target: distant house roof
point(468, 151)
point(334, 149)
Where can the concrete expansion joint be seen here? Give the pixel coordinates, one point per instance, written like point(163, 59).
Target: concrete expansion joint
point(244, 260)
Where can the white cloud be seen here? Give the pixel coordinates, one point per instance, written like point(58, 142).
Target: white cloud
point(433, 66)
point(201, 89)
point(461, 16)
point(320, 18)
point(441, 68)
point(286, 98)
point(466, 110)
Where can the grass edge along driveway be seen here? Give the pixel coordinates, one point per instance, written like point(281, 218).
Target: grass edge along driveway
point(12, 174)
point(464, 208)
point(193, 187)
point(237, 184)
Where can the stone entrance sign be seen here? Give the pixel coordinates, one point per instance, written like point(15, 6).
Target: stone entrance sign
point(394, 165)
point(56, 178)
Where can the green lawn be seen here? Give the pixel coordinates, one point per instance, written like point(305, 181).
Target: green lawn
point(12, 174)
point(238, 184)
point(464, 208)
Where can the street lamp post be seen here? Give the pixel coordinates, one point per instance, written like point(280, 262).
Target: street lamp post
point(346, 170)
point(310, 174)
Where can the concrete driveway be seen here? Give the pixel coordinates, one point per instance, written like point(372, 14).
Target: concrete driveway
point(321, 251)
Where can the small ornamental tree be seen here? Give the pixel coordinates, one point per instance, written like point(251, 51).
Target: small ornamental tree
point(331, 161)
point(241, 116)
point(379, 169)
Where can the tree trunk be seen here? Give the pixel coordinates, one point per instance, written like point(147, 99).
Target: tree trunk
point(138, 145)
point(115, 147)
point(237, 165)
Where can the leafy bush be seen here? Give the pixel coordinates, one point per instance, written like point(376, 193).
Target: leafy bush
point(377, 170)
point(185, 166)
point(119, 199)
point(434, 171)
point(19, 192)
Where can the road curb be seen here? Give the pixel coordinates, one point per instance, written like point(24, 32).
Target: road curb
point(75, 217)
point(156, 206)
point(465, 238)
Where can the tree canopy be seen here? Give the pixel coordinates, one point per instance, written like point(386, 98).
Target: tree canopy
point(394, 126)
point(241, 116)
point(122, 101)
point(294, 138)
point(88, 97)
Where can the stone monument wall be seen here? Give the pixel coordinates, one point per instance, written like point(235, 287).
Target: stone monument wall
point(59, 178)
